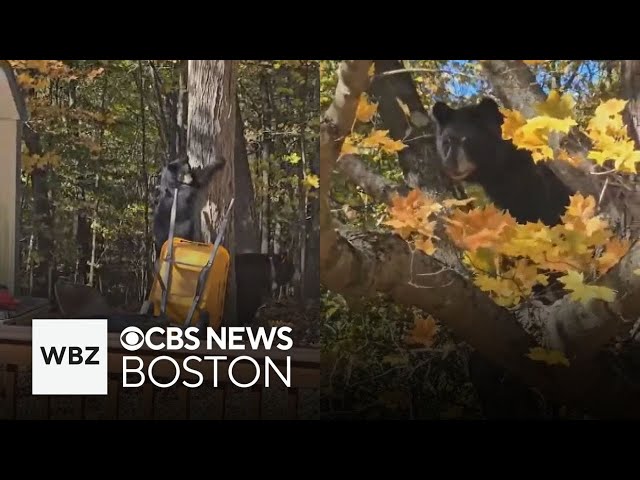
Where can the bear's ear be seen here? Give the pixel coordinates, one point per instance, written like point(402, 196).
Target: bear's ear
point(442, 113)
point(490, 111)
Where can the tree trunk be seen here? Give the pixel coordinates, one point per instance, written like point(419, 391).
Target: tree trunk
point(82, 223)
point(183, 107)
point(310, 272)
point(244, 206)
point(300, 264)
point(630, 73)
point(42, 219)
point(267, 151)
point(211, 133)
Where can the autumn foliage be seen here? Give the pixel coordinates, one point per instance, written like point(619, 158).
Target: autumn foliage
point(511, 262)
point(507, 259)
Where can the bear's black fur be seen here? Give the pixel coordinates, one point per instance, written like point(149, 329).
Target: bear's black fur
point(192, 185)
point(469, 140)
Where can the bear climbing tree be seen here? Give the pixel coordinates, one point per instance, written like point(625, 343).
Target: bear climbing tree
point(474, 267)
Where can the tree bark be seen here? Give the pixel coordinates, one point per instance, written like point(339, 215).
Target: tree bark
point(630, 73)
point(267, 152)
point(310, 271)
point(42, 219)
point(211, 132)
point(183, 107)
point(245, 229)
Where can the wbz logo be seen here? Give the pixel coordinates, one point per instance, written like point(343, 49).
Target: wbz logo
point(69, 357)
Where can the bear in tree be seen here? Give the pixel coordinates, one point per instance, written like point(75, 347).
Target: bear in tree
point(192, 185)
point(469, 141)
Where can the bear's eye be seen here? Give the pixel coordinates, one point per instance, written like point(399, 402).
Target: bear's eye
point(450, 141)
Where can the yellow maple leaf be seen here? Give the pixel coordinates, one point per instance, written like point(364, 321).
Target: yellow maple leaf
point(580, 207)
point(540, 127)
point(504, 287)
point(425, 244)
point(401, 227)
point(481, 227)
point(423, 333)
point(579, 291)
point(411, 214)
point(348, 147)
point(615, 249)
point(553, 115)
point(483, 260)
point(391, 146)
point(528, 240)
point(534, 136)
point(513, 121)
point(566, 157)
point(365, 110)
point(372, 70)
point(534, 62)
point(605, 128)
point(375, 138)
point(526, 276)
point(550, 357)
point(556, 106)
point(623, 154)
point(610, 108)
point(311, 181)
point(608, 133)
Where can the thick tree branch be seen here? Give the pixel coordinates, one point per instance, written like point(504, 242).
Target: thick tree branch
point(581, 331)
point(337, 261)
point(578, 330)
point(630, 73)
point(373, 184)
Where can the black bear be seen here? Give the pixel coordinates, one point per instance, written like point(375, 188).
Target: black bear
point(469, 140)
point(192, 185)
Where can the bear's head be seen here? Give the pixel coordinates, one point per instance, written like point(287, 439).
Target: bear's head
point(469, 138)
point(177, 172)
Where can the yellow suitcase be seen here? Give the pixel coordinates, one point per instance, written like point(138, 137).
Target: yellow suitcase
point(190, 278)
point(189, 258)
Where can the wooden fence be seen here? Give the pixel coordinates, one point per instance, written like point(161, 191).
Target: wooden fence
point(16, 355)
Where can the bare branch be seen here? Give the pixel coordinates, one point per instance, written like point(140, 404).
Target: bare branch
point(373, 184)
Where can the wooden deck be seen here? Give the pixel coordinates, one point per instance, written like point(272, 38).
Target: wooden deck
point(15, 360)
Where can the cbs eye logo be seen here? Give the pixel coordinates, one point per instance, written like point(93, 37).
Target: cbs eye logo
point(131, 338)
